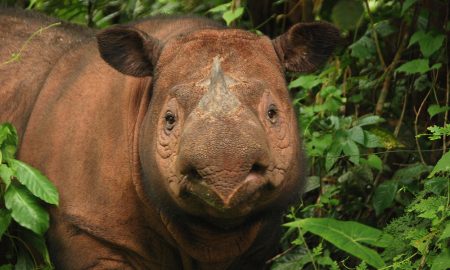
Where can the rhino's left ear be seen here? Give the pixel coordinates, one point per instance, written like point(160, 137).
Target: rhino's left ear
point(128, 50)
point(306, 46)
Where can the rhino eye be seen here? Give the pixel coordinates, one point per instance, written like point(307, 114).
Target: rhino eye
point(272, 113)
point(170, 120)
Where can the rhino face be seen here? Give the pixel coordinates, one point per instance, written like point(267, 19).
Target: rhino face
point(219, 142)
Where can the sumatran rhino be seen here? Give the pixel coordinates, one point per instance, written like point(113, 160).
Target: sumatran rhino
point(172, 141)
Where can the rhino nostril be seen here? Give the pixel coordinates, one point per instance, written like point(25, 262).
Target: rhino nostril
point(258, 168)
point(193, 175)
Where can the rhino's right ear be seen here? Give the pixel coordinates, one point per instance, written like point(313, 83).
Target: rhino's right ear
point(128, 50)
point(306, 46)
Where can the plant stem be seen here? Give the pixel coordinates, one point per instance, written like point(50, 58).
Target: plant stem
point(416, 129)
point(375, 36)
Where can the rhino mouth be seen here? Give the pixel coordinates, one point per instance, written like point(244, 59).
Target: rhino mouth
point(225, 209)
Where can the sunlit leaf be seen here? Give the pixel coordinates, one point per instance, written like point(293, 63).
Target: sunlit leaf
point(414, 66)
point(231, 15)
point(375, 162)
point(436, 109)
point(348, 236)
point(443, 165)
point(442, 260)
point(352, 151)
point(35, 181)
point(25, 209)
point(306, 82)
point(5, 174)
point(445, 233)
point(368, 119)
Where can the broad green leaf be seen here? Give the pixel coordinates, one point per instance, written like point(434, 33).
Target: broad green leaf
point(306, 82)
point(436, 109)
point(352, 151)
point(220, 8)
point(24, 260)
point(441, 261)
point(406, 5)
point(384, 196)
point(35, 181)
point(437, 185)
point(446, 233)
point(312, 182)
point(8, 134)
point(333, 155)
point(368, 119)
point(414, 66)
point(375, 162)
point(25, 209)
point(371, 140)
point(419, 35)
point(5, 220)
point(349, 236)
point(384, 28)
point(428, 42)
point(443, 165)
point(408, 174)
point(357, 134)
point(364, 48)
point(6, 267)
point(231, 15)
point(386, 138)
point(5, 174)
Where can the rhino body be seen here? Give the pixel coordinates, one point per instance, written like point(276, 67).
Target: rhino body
point(172, 141)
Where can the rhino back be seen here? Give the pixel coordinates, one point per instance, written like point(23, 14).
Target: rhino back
point(22, 79)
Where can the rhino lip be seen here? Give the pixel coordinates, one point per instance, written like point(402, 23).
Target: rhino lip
point(232, 207)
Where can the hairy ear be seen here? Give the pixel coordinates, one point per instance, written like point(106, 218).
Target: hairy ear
point(306, 46)
point(128, 50)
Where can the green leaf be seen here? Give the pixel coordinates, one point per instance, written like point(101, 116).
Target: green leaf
point(306, 82)
point(231, 15)
point(5, 174)
point(443, 165)
point(364, 48)
point(446, 233)
point(220, 8)
point(8, 134)
point(441, 261)
point(25, 209)
point(419, 35)
point(428, 42)
point(437, 185)
point(5, 220)
point(352, 151)
point(333, 155)
point(436, 109)
point(384, 196)
point(312, 182)
point(371, 140)
point(368, 119)
point(6, 267)
point(406, 5)
point(409, 174)
point(414, 66)
point(375, 162)
point(349, 236)
point(357, 134)
point(35, 181)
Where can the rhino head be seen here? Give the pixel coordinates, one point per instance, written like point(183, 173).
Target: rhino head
point(219, 144)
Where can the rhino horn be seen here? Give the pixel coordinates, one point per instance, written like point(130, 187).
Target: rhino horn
point(218, 100)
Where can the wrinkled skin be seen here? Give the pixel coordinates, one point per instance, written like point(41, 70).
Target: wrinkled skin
point(172, 142)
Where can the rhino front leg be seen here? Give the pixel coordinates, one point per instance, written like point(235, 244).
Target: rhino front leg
point(73, 249)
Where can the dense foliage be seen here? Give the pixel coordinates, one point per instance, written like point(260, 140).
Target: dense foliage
point(374, 122)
